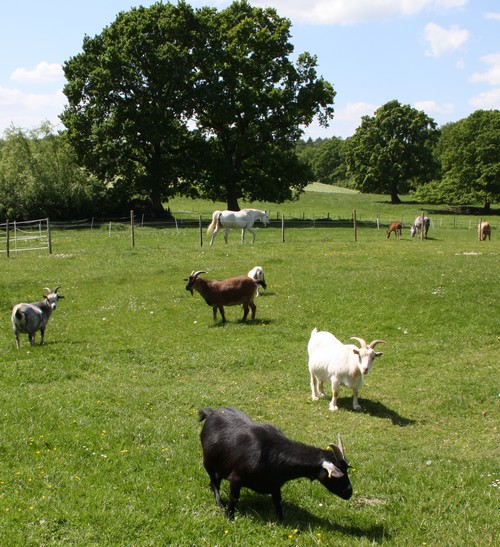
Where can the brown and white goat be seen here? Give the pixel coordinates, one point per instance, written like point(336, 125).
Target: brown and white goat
point(30, 318)
point(484, 231)
point(396, 227)
point(234, 291)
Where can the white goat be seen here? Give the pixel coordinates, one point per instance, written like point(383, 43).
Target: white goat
point(30, 318)
point(331, 360)
point(257, 273)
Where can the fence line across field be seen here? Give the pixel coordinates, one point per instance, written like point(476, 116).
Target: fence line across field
point(17, 236)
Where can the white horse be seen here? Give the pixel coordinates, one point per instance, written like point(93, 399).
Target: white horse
point(243, 219)
point(417, 226)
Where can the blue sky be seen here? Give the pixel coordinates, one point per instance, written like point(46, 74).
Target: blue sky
point(440, 56)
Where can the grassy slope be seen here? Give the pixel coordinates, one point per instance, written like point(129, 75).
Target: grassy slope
point(99, 438)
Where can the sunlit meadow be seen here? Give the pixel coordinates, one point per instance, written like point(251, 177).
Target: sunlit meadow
point(99, 433)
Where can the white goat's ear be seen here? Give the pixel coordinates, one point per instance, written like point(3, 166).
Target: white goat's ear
point(355, 351)
point(379, 353)
point(333, 471)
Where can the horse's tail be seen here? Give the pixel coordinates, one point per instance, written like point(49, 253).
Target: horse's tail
point(215, 220)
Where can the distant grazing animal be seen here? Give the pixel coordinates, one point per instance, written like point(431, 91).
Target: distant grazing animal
point(234, 291)
point(260, 457)
point(30, 318)
point(484, 231)
point(417, 226)
point(332, 361)
point(243, 219)
point(257, 273)
point(396, 227)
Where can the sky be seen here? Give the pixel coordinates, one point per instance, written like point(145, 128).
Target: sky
point(439, 56)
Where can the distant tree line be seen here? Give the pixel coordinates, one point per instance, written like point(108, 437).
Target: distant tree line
point(400, 150)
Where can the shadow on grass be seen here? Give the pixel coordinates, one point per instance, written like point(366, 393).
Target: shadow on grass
point(249, 322)
point(261, 508)
point(379, 410)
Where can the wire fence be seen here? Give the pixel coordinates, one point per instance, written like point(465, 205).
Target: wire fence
point(36, 234)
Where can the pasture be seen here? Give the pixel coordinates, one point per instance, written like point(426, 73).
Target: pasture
point(99, 433)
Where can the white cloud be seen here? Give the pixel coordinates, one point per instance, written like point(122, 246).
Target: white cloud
point(493, 15)
point(487, 100)
point(491, 76)
point(28, 110)
point(443, 40)
point(433, 108)
point(43, 72)
point(349, 12)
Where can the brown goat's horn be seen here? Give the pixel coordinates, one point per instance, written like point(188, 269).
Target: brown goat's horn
point(375, 342)
point(197, 273)
point(360, 340)
point(47, 290)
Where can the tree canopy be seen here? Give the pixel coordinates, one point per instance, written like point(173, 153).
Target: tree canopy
point(391, 152)
point(469, 152)
point(170, 100)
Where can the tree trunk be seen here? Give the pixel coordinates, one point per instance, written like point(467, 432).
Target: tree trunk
point(487, 207)
point(231, 197)
point(395, 198)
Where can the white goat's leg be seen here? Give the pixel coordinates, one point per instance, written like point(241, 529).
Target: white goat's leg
point(335, 392)
point(355, 403)
point(314, 395)
point(321, 391)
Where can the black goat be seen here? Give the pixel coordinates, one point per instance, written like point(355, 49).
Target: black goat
point(260, 457)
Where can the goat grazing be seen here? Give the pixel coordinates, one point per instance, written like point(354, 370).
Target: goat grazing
point(484, 231)
point(260, 457)
point(257, 273)
point(331, 360)
point(229, 292)
point(396, 227)
point(30, 318)
point(417, 226)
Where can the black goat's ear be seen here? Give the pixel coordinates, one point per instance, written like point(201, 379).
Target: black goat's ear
point(333, 470)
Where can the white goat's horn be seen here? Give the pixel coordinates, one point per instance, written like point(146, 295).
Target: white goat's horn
point(360, 340)
point(375, 342)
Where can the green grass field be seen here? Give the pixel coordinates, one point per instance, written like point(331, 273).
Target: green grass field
point(99, 434)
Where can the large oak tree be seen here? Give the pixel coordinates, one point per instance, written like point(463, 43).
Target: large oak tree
point(391, 152)
point(170, 100)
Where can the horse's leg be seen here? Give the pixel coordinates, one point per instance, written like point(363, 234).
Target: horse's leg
point(243, 234)
point(252, 232)
point(226, 233)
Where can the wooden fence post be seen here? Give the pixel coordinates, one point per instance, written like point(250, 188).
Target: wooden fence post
point(355, 225)
point(49, 236)
point(282, 228)
point(7, 236)
point(132, 227)
point(201, 232)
